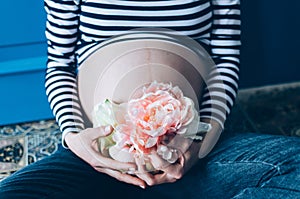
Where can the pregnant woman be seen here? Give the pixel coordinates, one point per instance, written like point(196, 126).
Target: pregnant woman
point(240, 165)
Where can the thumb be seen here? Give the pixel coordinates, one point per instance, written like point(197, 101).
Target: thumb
point(100, 131)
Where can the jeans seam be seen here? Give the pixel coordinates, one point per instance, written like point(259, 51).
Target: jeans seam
point(276, 167)
point(262, 180)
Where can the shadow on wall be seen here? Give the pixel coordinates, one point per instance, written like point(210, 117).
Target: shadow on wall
point(270, 42)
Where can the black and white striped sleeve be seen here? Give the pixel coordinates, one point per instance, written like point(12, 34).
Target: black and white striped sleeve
point(60, 80)
point(222, 84)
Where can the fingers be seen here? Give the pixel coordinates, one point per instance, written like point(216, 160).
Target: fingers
point(164, 178)
point(174, 170)
point(101, 131)
point(81, 145)
point(142, 172)
point(98, 160)
point(169, 154)
point(178, 142)
point(151, 179)
point(123, 177)
point(110, 163)
point(191, 156)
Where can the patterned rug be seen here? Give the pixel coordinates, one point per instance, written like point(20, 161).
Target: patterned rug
point(22, 144)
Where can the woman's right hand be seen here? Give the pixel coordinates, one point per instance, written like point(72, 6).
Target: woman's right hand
point(84, 145)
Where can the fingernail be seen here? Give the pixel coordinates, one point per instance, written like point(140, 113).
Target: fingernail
point(130, 172)
point(107, 129)
point(142, 186)
point(131, 169)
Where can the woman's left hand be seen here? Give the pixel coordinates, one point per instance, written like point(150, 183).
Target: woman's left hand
point(188, 152)
point(187, 157)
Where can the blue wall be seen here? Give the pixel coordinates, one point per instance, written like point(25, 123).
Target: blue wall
point(270, 55)
point(22, 29)
point(22, 62)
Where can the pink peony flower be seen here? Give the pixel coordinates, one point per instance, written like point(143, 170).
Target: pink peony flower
point(159, 109)
point(156, 111)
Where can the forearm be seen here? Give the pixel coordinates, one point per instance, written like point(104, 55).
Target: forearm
point(60, 80)
point(210, 138)
point(222, 84)
point(62, 96)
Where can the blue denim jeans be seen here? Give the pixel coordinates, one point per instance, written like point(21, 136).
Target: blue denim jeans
point(240, 166)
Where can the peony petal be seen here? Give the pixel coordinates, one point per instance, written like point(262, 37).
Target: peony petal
point(189, 112)
point(156, 132)
point(182, 130)
point(141, 141)
point(151, 142)
point(177, 92)
point(103, 114)
point(120, 113)
point(192, 128)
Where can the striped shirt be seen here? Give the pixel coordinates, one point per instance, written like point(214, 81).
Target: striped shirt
point(74, 28)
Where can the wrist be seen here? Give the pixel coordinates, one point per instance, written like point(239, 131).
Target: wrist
point(68, 138)
point(215, 126)
point(210, 138)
